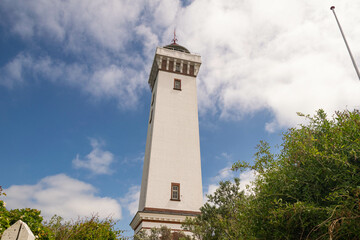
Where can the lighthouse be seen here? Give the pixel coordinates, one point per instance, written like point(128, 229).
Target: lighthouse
point(171, 187)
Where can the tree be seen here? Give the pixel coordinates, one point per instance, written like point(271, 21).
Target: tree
point(57, 228)
point(32, 218)
point(310, 190)
point(83, 228)
point(221, 216)
point(4, 220)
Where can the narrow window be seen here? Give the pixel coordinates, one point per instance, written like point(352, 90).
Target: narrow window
point(171, 66)
point(191, 70)
point(151, 113)
point(185, 68)
point(153, 99)
point(175, 191)
point(178, 67)
point(163, 64)
point(177, 84)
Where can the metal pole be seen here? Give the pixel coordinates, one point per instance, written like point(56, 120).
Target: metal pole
point(347, 46)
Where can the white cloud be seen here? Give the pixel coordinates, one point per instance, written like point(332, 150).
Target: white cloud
point(283, 56)
point(96, 36)
point(222, 175)
point(131, 200)
point(103, 22)
point(101, 82)
point(246, 179)
point(12, 73)
point(163, 12)
point(224, 156)
point(225, 174)
point(210, 190)
point(139, 158)
point(64, 196)
point(97, 161)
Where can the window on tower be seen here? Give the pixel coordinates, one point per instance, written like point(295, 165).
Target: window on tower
point(185, 68)
point(175, 191)
point(177, 67)
point(153, 99)
point(171, 66)
point(163, 64)
point(192, 70)
point(177, 84)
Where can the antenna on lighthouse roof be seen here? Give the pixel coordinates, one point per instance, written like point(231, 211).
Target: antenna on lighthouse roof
point(347, 45)
point(175, 39)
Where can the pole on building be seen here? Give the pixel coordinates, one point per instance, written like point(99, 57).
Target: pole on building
point(347, 45)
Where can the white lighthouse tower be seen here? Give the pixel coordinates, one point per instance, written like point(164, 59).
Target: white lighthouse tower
point(171, 187)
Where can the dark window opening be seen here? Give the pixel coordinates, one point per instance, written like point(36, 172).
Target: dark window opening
point(171, 66)
point(185, 68)
point(192, 70)
point(151, 115)
point(153, 99)
point(163, 64)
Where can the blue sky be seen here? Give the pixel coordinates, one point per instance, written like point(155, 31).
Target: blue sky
point(74, 99)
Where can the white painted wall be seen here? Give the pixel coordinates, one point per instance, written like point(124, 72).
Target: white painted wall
point(173, 150)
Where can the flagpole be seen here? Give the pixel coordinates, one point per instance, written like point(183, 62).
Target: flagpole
point(347, 45)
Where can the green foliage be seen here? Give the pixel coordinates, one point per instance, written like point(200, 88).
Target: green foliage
point(86, 228)
point(310, 190)
point(221, 216)
point(31, 217)
point(163, 233)
point(4, 219)
point(57, 228)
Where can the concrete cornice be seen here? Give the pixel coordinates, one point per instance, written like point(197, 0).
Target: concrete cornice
point(192, 60)
point(167, 216)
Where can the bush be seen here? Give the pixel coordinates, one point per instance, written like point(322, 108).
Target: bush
point(86, 228)
point(31, 217)
point(310, 190)
point(57, 228)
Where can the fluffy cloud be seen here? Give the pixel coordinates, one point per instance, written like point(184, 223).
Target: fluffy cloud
point(131, 200)
point(224, 174)
point(97, 161)
point(64, 196)
point(102, 82)
point(85, 45)
point(210, 190)
point(283, 56)
point(227, 174)
point(245, 180)
point(12, 72)
point(72, 23)
point(139, 158)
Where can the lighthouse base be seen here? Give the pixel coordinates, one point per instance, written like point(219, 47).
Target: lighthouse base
point(156, 218)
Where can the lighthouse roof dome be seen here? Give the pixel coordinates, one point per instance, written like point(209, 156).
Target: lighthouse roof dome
point(177, 47)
